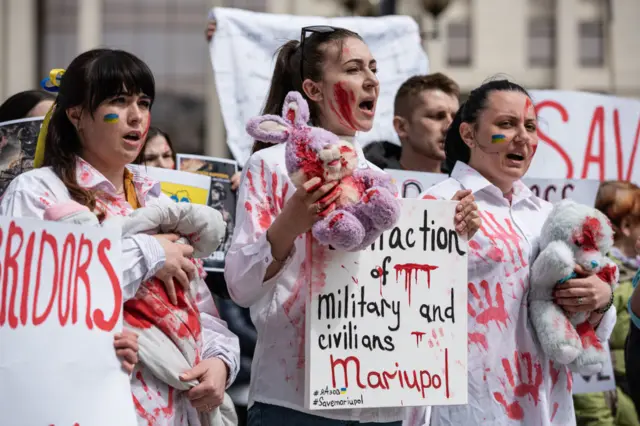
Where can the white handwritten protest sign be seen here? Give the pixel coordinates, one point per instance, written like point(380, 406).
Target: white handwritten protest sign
point(242, 54)
point(586, 136)
point(387, 326)
point(61, 303)
point(412, 184)
point(601, 382)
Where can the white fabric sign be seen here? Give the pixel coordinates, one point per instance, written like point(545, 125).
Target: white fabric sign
point(243, 56)
point(60, 305)
point(586, 136)
point(411, 184)
point(387, 327)
point(601, 382)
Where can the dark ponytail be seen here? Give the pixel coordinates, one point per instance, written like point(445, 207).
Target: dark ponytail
point(454, 147)
point(286, 73)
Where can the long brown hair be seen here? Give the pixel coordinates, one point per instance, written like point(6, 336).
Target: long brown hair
point(90, 79)
point(287, 75)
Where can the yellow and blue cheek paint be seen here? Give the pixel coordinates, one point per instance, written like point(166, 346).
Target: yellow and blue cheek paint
point(499, 138)
point(111, 118)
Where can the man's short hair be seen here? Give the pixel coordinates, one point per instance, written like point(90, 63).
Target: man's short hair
point(409, 91)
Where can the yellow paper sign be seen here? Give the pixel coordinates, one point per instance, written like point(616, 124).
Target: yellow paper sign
point(184, 193)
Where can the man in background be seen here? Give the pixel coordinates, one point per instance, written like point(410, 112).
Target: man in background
point(424, 108)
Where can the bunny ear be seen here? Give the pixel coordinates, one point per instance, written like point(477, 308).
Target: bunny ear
point(268, 128)
point(295, 109)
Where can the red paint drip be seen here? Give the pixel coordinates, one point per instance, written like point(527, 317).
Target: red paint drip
point(555, 411)
point(381, 276)
point(248, 207)
point(413, 268)
point(345, 100)
point(291, 115)
point(479, 339)
point(554, 373)
point(588, 336)
point(474, 245)
point(418, 335)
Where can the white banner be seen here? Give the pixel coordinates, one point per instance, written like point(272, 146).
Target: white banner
point(411, 184)
point(387, 327)
point(586, 136)
point(60, 305)
point(243, 54)
point(601, 382)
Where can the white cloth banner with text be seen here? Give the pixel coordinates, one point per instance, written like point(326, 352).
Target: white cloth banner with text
point(60, 305)
point(243, 56)
point(586, 136)
point(584, 191)
point(387, 327)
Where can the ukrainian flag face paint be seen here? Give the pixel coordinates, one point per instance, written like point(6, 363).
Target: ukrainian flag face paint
point(111, 118)
point(498, 138)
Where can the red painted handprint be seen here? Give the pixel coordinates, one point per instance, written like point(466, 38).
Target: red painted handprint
point(521, 385)
point(272, 202)
point(488, 312)
point(494, 231)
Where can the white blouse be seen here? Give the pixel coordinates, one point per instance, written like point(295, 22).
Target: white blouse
point(278, 304)
point(511, 381)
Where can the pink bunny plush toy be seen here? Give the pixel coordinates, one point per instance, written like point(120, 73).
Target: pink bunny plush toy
point(367, 205)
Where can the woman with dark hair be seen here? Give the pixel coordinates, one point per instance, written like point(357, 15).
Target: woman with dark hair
point(265, 266)
point(489, 147)
point(95, 129)
point(27, 104)
point(157, 150)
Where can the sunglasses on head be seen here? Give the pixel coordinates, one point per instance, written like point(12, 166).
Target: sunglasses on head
point(321, 29)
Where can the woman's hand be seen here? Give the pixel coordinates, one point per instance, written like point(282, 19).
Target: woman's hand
point(212, 374)
point(177, 265)
point(308, 205)
point(235, 181)
point(211, 28)
point(585, 293)
point(126, 344)
point(467, 218)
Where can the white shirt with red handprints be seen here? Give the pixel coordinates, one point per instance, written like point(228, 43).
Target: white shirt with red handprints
point(156, 403)
point(278, 304)
point(511, 381)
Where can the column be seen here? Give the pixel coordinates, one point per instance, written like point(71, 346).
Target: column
point(215, 138)
point(89, 25)
point(18, 48)
point(567, 44)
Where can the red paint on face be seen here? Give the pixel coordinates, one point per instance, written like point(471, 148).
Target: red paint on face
point(346, 100)
point(413, 268)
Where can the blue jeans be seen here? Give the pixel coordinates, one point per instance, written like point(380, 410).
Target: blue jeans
point(272, 415)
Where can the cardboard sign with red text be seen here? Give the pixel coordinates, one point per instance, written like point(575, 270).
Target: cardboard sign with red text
point(60, 306)
point(586, 136)
point(387, 326)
